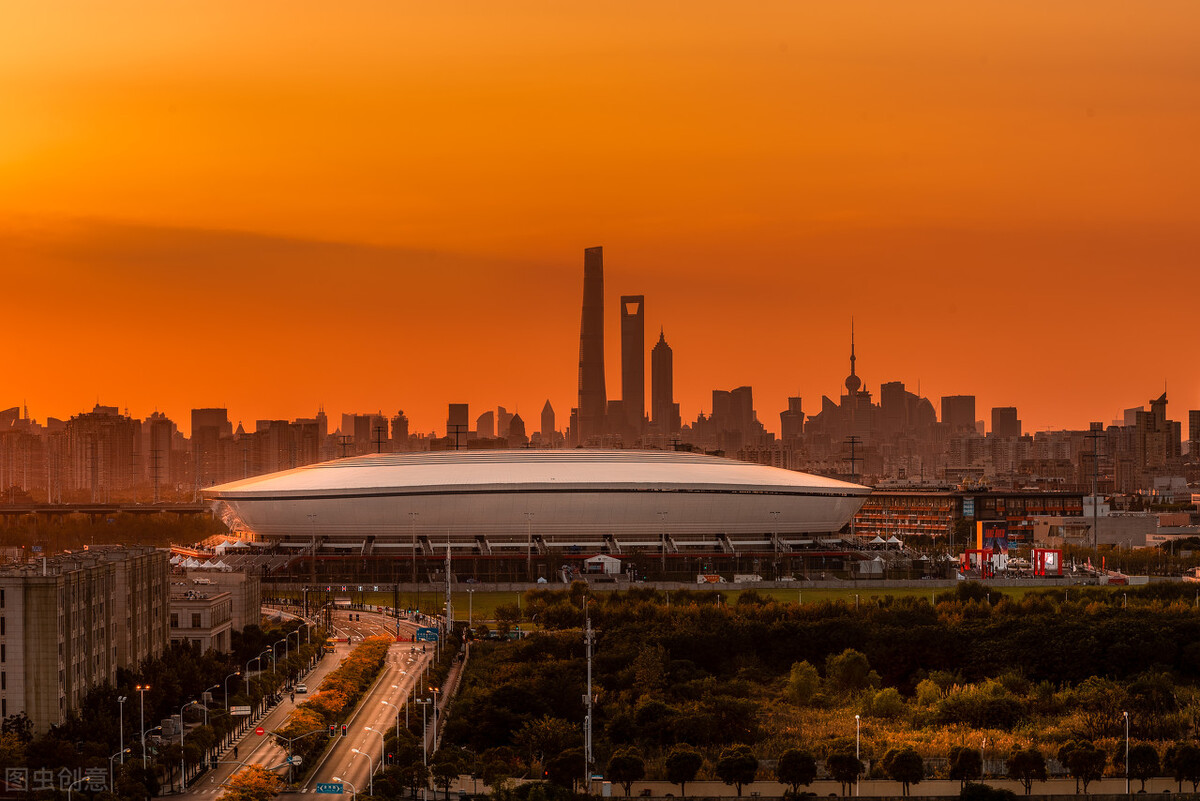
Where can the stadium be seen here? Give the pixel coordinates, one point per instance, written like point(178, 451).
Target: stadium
point(529, 513)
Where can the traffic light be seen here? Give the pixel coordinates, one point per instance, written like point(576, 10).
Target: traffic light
point(332, 730)
point(343, 729)
point(389, 759)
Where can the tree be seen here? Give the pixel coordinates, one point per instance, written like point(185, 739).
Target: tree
point(444, 770)
point(966, 765)
point(906, 767)
point(626, 767)
point(1083, 761)
point(796, 768)
point(1143, 763)
point(567, 768)
point(415, 777)
point(253, 783)
point(849, 671)
point(803, 682)
point(506, 616)
point(1027, 766)
point(844, 767)
point(683, 763)
point(1184, 761)
point(546, 737)
point(737, 766)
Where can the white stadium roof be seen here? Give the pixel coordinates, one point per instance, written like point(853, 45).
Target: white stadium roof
point(557, 494)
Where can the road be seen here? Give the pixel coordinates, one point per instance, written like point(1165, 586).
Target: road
point(394, 684)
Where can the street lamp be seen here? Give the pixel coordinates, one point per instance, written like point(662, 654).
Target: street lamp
point(381, 743)
point(285, 649)
point(435, 691)
point(371, 766)
point(857, 730)
point(142, 689)
point(424, 702)
point(121, 703)
point(226, 685)
point(393, 706)
point(353, 789)
point(112, 780)
point(270, 651)
point(1126, 714)
point(182, 764)
point(73, 784)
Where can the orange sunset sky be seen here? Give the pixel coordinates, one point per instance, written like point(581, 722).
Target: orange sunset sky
point(384, 205)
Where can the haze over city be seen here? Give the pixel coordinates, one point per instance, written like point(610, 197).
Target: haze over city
point(384, 207)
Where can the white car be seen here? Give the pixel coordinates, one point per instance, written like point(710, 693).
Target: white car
point(301, 688)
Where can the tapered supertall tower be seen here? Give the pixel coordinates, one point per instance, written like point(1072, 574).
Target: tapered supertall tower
point(593, 398)
point(633, 364)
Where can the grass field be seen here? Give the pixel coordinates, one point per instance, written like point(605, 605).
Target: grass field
point(481, 605)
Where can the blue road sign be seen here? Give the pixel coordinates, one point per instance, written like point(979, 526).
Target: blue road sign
point(331, 788)
point(427, 634)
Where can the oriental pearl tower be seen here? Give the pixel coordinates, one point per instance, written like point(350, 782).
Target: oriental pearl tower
point(853, 382)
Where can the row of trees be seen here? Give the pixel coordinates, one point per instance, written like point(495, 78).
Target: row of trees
point(94, 732)
point(304, 731)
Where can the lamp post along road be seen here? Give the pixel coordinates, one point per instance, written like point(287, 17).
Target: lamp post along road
point(353, 789)
point(142, 690)
point(857, 729)
point(1126, 714)
point(121, 729)
point(370, 767)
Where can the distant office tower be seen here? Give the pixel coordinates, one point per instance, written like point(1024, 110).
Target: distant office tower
point(209, 427)
point(1005, 422)
point(633, 362)
point(503, 421)
point(458, 423)
point(958, 412)
point(593, 398)
point(485, 425)
point(547, 422)
point(1194, 435)
point(791, 422)
point(662, 387)
point(516, 432)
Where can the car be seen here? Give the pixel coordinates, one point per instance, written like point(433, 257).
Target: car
point(302, 688)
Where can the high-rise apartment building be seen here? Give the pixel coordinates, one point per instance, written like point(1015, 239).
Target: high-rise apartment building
point(593, 398)
point(633, 364)
point(663, 409)
point(791, 422)
point(458, 424)
point(1005, 422)
point(67, 623)
point(104, 449)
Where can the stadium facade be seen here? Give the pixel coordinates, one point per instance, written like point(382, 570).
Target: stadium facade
point(492, 503)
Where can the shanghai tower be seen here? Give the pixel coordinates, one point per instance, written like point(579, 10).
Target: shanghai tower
point(593, 399)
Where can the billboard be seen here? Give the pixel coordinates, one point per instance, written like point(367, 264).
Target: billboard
point(992, 534)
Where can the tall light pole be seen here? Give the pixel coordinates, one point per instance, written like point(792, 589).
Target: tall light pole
point(226, 685)
point(121, 704)
point(353, 789)
point(412, 518)
point(112, 779)
point(142, 689)
point(1126, 714)
point(435, 691)
point(371, 767)
point(182, 764)
point(529, 544)
point(424, 702)
point(470, 607)
point(381, 742)
point(76, 783)
point(857, 751)
point(663, 517)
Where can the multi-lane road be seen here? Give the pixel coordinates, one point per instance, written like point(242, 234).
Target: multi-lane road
point(379, 710)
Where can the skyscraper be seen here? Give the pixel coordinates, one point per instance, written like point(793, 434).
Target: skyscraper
point(593, 398)
point(958, 412)
point(547, 422)
point(633, 362)
point(1005, 422)
point(662, 387)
